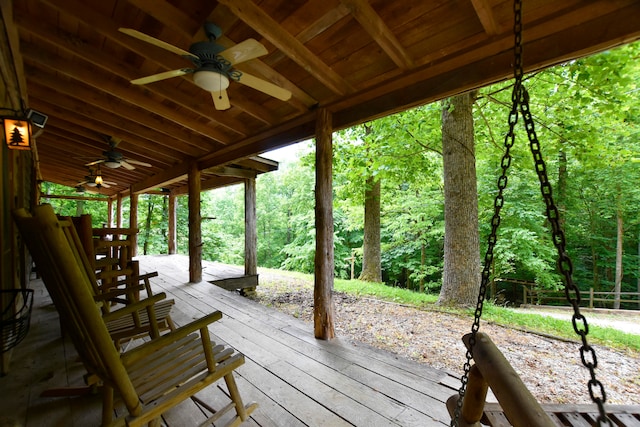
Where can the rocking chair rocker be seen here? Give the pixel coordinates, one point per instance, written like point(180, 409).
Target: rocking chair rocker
point(149, 379)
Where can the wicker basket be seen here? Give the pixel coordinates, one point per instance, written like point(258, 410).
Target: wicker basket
point(16, 316)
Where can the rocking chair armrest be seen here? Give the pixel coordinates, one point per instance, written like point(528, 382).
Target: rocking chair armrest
point(116, 292)
point(141, 279)
point(133, 307)
point(149, 347)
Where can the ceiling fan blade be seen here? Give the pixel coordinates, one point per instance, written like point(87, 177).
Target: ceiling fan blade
point(105, 185)
point(156, 42)
point(161, 76)
point(109, 182)
point(138, 163)
point(221, 100)
point(244, 51)
point(265, 86)
point(126, 165)
point(95, 162)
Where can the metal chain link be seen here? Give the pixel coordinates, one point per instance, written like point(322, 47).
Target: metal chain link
point(572, 293)
point(498, 202)
point(520, 98)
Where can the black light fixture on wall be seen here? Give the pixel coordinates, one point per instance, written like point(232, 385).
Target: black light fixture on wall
point(17, 129)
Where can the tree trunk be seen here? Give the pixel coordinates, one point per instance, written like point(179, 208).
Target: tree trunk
point(371, 263)
point(147, 225)
point(461, 272)
point(423, 262)
point(638, 279)
point(619, 253)
point(171, 240)
point(562, 188)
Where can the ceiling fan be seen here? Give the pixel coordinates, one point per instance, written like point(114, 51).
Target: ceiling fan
point(94, 179)
point(213, 65)
point(114, 159)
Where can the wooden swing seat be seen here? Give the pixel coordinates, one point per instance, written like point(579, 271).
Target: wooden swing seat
point(516, 405)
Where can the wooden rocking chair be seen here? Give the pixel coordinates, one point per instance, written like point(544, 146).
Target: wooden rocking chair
point(149, 379)
point(128, 322)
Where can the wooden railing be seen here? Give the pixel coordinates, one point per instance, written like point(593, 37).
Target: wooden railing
point(539, 297)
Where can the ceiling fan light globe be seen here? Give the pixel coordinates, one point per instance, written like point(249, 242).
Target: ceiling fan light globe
point(113, 164)
point(211, 81)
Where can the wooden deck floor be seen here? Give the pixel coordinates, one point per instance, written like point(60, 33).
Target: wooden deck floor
point(296, 379)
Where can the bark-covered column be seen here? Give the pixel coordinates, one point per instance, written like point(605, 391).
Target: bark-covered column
point(119, 211)
point(110, 212)
point(250, 228)
point(172, 224)
point(323, 310)
point(195, 230)
point(133, 222)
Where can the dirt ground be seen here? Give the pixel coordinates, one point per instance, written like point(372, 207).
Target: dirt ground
point(550, 368)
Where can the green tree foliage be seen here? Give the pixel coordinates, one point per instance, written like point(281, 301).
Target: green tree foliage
point(586, 118)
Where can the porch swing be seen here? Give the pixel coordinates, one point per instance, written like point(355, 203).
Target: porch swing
point(517, 406)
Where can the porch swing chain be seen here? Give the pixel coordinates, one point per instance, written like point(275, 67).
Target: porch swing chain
point(520, 99)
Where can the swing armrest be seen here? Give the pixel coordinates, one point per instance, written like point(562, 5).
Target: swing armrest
point(519, 405)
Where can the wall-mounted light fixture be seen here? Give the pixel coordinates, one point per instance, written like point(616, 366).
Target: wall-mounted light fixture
point(17, 133)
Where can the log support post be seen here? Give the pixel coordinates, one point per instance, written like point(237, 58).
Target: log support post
point(250, 231)
point(323, 310)
point(119, 211)
point(133, 222)
point(195, 225)
point(172, 224)
point(110, 212)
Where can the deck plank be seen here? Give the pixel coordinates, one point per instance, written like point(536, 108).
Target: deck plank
point(296, 379)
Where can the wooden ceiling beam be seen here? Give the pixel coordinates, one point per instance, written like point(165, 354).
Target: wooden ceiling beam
point(472, 70)
point(295, 130)
point(104, 123)
point(78, 48)
point(486, 16)
point(123, 119)
point(135, 147)
point(85, 13)
point(169, 15)
point(106, 84)
point(256, 18)
point(162, 179)
point(379, 31)
point(231, 172)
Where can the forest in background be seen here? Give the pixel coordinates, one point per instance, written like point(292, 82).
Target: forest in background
point(586, 115)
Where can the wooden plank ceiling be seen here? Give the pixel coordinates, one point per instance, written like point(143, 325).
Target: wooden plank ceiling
point(360, 59)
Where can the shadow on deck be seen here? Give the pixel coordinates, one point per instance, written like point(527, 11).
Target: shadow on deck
point(296, 379)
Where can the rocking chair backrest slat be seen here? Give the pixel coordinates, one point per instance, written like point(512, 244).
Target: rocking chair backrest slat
point(69, 284)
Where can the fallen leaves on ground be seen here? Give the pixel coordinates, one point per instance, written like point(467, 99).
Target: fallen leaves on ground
point(550, 368)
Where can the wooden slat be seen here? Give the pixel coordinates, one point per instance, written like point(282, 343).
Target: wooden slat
point(375, 26)
point(271, 30)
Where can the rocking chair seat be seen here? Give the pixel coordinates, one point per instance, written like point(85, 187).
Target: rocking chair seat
point(148, 379)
